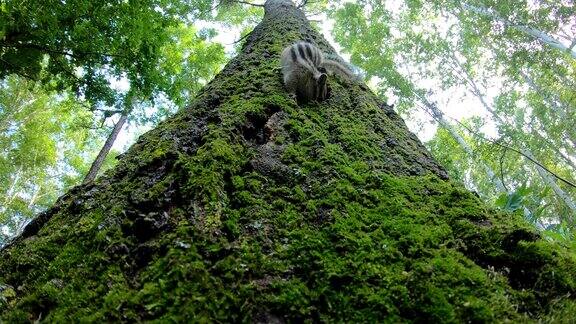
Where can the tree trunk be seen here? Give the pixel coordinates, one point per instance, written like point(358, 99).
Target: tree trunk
point(561, 194)
point(549, 99)
point(535, 33)
point(545, 174)
point(498, 184)
point(540, 133)
point(97, 164)
point(249, 208)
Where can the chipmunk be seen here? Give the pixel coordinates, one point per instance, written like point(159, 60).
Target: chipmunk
point(306, 71)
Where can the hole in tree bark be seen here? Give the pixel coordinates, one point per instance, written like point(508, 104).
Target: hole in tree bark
point(255, 130)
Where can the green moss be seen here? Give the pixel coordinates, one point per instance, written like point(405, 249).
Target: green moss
point(358, 228)
point(358, 249)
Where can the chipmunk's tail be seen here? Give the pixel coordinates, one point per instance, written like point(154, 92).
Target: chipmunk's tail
point(335, 67)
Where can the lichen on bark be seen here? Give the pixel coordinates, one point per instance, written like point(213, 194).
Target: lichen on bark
point(248, 207)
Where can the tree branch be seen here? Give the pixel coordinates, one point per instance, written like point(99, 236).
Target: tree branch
point(502, 168)
point(60, 52)
point(500, 144)
point(249, 3)
point(19, 70)
point(239, 39)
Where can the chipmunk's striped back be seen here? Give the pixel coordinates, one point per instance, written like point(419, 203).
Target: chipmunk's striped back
point(307, 55)
point(302, 75)
point(305, 71)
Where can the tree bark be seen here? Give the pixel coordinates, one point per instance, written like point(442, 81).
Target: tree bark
point(246, 207)
point(97, 164)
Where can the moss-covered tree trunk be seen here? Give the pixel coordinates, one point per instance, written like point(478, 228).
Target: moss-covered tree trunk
point(248, 207)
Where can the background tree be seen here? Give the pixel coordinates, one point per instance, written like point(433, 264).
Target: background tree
point(44, 137)
point(185, 63)
point(114, 68)
point(75, 47)
point(444, 47)
point(66, 45)
point(248, 207)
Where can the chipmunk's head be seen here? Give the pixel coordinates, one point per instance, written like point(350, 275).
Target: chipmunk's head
point(321, 87)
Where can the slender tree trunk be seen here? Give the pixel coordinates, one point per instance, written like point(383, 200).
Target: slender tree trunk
point(536, 33)
point(97, 164)
point(556, 149)
point(552, 102)
point(248, 207)
point(500, 187)
point(11, 192)
point(439, 117)
point(475, 90)
point(459, 72)
point(572, 45)
point(545, 174)
point(566, 141)
point(34, 196)
point(564, 197)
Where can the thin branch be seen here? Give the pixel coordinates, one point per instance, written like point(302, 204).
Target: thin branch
point(114, 111)
point(60, 52)
point(215, 6)
point(302, 4)
point(498, 143)
point(239, 39)
point(67, 71)
point(18, 70)
point(249, 3)
point(223, 3)
point(501, 169)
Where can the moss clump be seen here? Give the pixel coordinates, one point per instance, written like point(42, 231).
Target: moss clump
point(357, 248)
